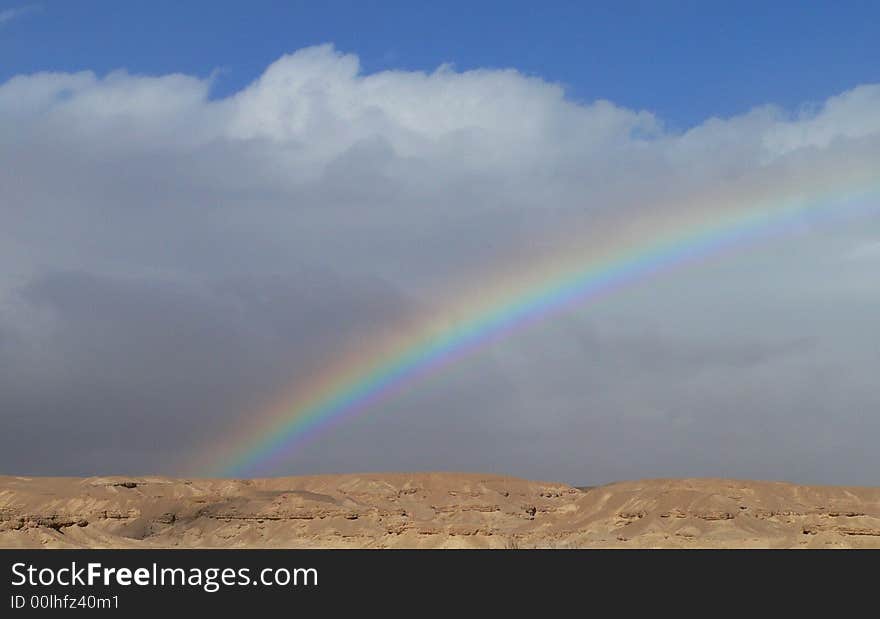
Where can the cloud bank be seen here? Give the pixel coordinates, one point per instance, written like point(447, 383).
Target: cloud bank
point(170, 262)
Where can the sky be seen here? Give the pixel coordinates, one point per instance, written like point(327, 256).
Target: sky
point(684, 61)
point(204, 204)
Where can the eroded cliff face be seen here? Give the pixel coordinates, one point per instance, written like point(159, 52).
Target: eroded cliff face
point(430, 510)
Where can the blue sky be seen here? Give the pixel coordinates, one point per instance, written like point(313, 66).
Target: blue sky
point(685, 61)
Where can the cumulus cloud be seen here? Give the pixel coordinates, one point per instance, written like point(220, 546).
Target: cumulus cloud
point(171, 261)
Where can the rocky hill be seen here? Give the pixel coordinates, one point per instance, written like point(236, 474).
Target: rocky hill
point(431, 510)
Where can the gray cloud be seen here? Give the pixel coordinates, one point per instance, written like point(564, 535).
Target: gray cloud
point(170, 263)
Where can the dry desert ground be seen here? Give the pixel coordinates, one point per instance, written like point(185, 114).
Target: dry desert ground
point(431, 510)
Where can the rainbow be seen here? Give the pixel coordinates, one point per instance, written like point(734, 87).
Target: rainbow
point(649, 246)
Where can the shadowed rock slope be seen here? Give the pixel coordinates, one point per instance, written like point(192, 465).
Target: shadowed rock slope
point(431, 510)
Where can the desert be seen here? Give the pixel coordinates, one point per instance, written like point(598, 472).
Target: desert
point(431, 510)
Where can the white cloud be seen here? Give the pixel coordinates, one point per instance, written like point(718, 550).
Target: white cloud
point(850, 115)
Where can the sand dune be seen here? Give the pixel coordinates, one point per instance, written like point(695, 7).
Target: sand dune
point(431, 510)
